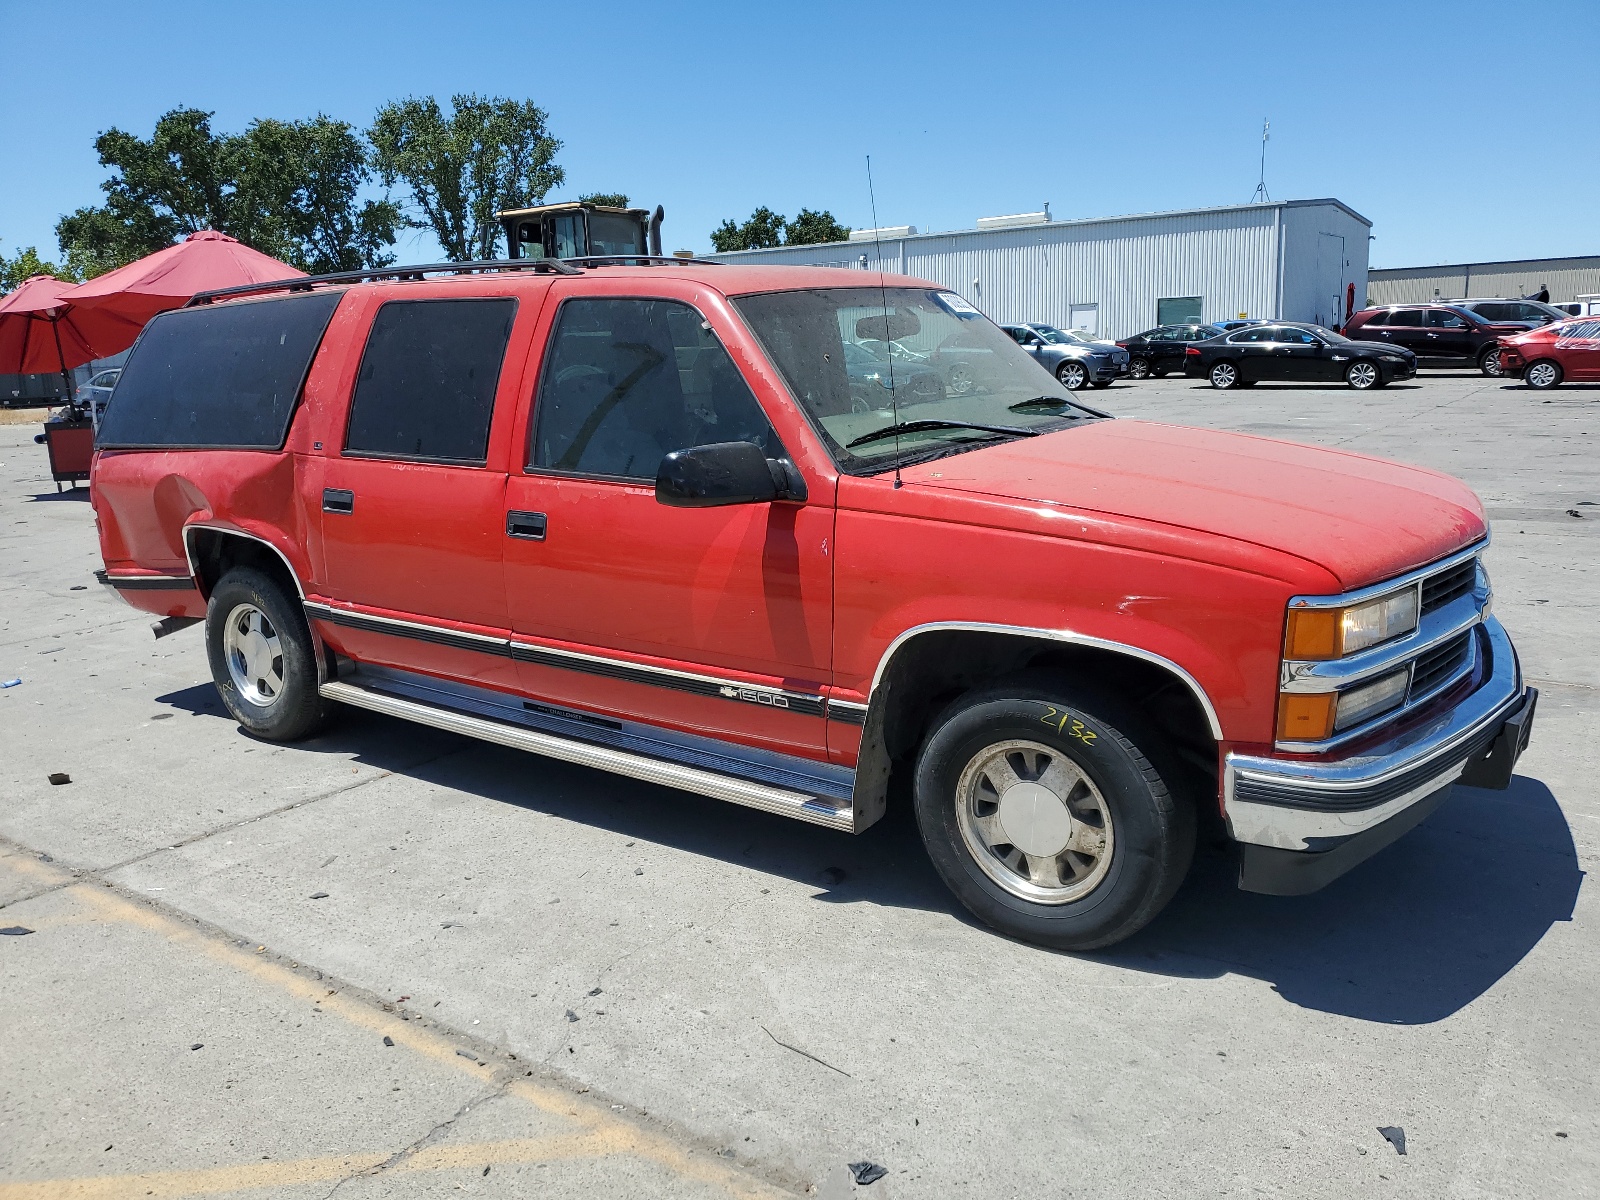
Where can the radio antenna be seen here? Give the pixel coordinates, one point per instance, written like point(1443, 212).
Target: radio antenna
point(883, 299)
point(1259, 196)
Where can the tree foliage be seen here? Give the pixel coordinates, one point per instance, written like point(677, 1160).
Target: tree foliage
point(27, 264)
point(605, 199)
point(488, 154)
point(290, 189)
point(766, 229)
point(809, 228)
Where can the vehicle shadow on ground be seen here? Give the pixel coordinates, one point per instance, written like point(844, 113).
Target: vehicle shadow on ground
point(1409, 937)
point(71, 493)
point(1282, 385)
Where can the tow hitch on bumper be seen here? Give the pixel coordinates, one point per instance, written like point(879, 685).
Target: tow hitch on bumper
point(1301, 825)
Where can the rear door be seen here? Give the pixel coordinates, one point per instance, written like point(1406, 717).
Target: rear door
point(716, 620)
point(413, 497)
point(1408, 327)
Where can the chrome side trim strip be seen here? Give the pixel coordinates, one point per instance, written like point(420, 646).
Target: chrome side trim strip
point(847, 712)
point(1055, 635)
point(143, 583)
point(1398, 583)
point(782, 801)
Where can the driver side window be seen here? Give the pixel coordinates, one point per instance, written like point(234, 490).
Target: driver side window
point(626, 382)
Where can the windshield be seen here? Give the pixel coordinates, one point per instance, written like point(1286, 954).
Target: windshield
point(934, 360)
point(1061, 337)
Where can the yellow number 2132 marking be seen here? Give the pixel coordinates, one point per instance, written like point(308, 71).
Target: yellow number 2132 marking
point(1063, 723)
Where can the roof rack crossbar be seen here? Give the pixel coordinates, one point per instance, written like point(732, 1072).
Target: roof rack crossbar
point(305, 283)
point(622, 260)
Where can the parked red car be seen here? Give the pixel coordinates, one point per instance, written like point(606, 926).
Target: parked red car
point(1553, 354)
point(636, 517)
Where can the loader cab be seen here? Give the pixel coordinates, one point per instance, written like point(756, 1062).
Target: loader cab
point(577, 230)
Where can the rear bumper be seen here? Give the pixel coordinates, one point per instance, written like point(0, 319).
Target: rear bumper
point(1303, 824)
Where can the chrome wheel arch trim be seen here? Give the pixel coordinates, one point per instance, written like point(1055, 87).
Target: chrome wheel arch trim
point(1054, 635)
point(194, 569)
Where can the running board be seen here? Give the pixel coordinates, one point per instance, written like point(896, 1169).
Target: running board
point(783, 801)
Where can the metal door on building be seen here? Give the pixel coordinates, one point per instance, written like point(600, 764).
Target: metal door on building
point(1085, 317)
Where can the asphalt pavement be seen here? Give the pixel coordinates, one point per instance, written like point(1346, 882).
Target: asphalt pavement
point(394, 962)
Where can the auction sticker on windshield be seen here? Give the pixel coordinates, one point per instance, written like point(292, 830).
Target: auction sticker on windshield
point(957, 305)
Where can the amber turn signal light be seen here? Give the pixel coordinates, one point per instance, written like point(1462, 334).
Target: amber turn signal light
point(1313, 634)
point(1306, 716)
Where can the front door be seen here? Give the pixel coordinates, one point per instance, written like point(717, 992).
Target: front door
point(1254, 349)
point(412, 502)
point(1447, 334)
point(1579, 343)
point(717, 619)
point(1299, 355)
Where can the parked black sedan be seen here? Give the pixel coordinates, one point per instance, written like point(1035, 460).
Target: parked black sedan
point(1156, 351)
point(1295, 353)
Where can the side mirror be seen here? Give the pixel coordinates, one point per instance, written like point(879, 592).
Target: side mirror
point(725, 473)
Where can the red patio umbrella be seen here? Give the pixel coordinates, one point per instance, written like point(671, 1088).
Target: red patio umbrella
point(202, 262)
point(40, 332)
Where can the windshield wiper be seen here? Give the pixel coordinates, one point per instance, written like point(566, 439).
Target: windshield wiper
point(918, 426)
point(1042, 402)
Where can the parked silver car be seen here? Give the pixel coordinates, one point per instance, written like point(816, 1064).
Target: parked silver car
point(1073, 358)
point(96, 394)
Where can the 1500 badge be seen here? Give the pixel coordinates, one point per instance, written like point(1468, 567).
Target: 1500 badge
point(751, 696)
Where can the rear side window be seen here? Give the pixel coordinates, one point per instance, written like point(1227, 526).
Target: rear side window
point(1496, 312)
point(428, 378)
point(1411, 317)
point(222, 376)
point(627, 382)
point(1377, 318)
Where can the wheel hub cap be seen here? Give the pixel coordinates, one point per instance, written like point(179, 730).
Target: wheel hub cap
point(1035, 819)
point(254, 654)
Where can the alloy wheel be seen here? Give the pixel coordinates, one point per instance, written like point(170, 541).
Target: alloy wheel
point(1139, 368)
point(254, 655)
point(1543, 375)
point(1072, 376)
point(958, 381)
point(1361, 375)
point(1224, 375)
point(1034, 822)
point(1490, 365)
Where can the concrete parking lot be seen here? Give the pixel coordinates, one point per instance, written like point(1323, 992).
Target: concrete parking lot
point(594, 987)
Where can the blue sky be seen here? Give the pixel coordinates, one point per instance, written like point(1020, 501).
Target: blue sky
point(1464, 131)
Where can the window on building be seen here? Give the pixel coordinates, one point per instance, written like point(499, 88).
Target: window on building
point(1178, 310)
point(428, 378)
point(626, 382)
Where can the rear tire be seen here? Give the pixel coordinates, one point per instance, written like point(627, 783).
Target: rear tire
point(1048, 822)
point(1139, 368)
point(1224, 375)
point(1542, 374)
point(262, 657)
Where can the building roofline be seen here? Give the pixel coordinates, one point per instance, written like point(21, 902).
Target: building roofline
point(1589, 260)
point(1079, 221)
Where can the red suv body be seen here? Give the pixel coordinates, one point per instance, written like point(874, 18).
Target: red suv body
point(636, 517)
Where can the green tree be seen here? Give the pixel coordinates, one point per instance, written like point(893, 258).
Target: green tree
point(27, 264)
point(298, 195)
point(489, 154)
point(177, 183)
point(287, 188)
point(604, 199)
point(809, 228)
point(762, 231)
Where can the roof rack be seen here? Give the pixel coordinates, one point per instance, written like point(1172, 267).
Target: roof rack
point(643, 260)
point(305, 283)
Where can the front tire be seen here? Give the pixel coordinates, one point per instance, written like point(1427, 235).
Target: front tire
point(1224, 375)
point(262, 658)
point(1489, 363)
point(1363, 375)
point(1048, 822)
point(1543, 374)
point(1072, 375)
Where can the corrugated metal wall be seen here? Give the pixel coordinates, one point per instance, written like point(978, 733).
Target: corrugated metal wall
point(1228, 257)
point(1565, 277)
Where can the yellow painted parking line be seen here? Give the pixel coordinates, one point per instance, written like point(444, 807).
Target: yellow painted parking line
point(601, 1132)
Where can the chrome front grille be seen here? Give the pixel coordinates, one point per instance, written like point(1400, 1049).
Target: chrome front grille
point(1440, 665)
point(1438, 590)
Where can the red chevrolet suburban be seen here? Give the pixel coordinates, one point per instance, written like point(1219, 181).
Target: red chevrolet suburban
point(652, 518)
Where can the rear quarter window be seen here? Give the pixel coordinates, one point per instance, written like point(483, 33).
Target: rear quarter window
point(224, 376)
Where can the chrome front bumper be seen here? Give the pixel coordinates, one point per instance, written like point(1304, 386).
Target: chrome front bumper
point(1317, 807)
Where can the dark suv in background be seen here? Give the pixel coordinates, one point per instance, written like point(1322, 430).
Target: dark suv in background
point(1438, 334)
point(1156, 351)
point(1532, 313)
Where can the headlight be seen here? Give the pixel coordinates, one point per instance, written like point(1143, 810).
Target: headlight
point(1316, 634)
point(1391, 358)
point(1315, 716)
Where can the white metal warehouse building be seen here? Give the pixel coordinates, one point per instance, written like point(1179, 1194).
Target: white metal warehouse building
point(1565, 278)
point(1115, 276)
